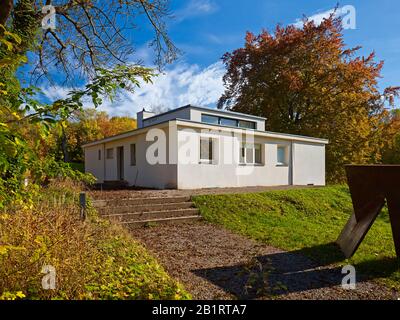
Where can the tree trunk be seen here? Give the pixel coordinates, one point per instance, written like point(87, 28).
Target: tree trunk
point(5, 11)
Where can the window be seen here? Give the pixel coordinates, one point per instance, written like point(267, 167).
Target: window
point(247, 124)
point(99, 155)
point(209, 119)
point(110, 153)
point(257, 153)
point(228, 122)
point(206, 150)
point(250, 153)
point(282, 156)
point(133, 154)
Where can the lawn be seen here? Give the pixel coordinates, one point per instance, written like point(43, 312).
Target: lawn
point(308, 221)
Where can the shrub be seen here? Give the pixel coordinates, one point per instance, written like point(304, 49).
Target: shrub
point(93, 259)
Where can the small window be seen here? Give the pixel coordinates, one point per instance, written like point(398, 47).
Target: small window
point(209, 119)
point(228, 122)
point(282, 156)
point(257, 153)
point(110, 153)
point(133, 154)
point(250, 153)
point(206, 150)
point(99, 155)
point(247, 124)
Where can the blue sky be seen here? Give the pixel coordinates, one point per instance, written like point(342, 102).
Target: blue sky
point(205, 29)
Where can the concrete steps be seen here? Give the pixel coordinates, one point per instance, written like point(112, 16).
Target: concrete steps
point(137, 212)
point(139, 201)
point(144, 208)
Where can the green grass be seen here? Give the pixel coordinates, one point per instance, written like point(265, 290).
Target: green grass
point(308, 221)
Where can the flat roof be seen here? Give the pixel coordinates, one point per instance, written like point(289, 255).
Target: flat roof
point(277, 135)
point(232, 113)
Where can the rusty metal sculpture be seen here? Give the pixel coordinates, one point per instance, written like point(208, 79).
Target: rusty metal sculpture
point(370, 186)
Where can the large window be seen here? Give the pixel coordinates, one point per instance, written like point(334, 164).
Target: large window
point(282, 156)
point(207, 118)
point(228, 122)
point(246, 124)
point(110, 153)
point(206, 150)
point(133, 154)
point(250, 153)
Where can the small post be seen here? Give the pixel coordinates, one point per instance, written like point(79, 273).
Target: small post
point(82, 203)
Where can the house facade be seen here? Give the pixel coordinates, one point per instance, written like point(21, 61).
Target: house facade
point(195, 147)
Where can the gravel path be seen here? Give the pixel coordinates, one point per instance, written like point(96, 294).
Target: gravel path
point(214, 263)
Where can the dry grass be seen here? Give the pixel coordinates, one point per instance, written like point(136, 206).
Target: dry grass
point(92, 259)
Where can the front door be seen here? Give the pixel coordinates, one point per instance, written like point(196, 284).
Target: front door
point(120, 163)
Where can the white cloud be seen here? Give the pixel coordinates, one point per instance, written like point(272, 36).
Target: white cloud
point(317, 18)
point(184, 84)
point(348, 13)
point(177, 86)
point(55, 92)
point(195, 8)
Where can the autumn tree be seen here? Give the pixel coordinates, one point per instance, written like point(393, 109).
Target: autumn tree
point(86, 126)
point(391, 149)
point(305, 81)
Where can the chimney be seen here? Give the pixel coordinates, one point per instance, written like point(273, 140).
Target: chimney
point(141, 115)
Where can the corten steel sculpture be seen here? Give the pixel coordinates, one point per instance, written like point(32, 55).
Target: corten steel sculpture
point(370, 186)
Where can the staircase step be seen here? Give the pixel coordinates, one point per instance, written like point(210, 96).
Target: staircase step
point(145, 208)
point(138, 201)
point(149, 222)
point(140, 216)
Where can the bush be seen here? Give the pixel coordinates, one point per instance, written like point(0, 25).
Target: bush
point(93, 259)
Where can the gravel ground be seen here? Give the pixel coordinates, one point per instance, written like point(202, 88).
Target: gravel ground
point(214, 263)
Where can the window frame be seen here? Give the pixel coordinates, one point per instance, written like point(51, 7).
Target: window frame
point(285, 163)
point(108, 155)
point(205, 115)
point(220, 119)
point(133, 159)
point(211, 150)
point(244, 146)
point(252, 127)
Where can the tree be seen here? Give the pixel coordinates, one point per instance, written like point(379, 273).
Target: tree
point(304, 81)
point(21, 115)
point(391, 149)
point(86, 126)
point(89, 34)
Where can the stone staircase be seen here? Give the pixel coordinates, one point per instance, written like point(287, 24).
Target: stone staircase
point(138, 212)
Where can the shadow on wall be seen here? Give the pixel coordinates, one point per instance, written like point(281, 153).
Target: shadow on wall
point(288, 272)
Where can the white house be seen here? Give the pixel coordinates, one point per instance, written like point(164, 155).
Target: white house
point(196, 147)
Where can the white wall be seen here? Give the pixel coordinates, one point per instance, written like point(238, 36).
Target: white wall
point(92, 164)
point(309, 163)
point(226, 172)
point(308, 160)
point(159, 176)
point(178, 114)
